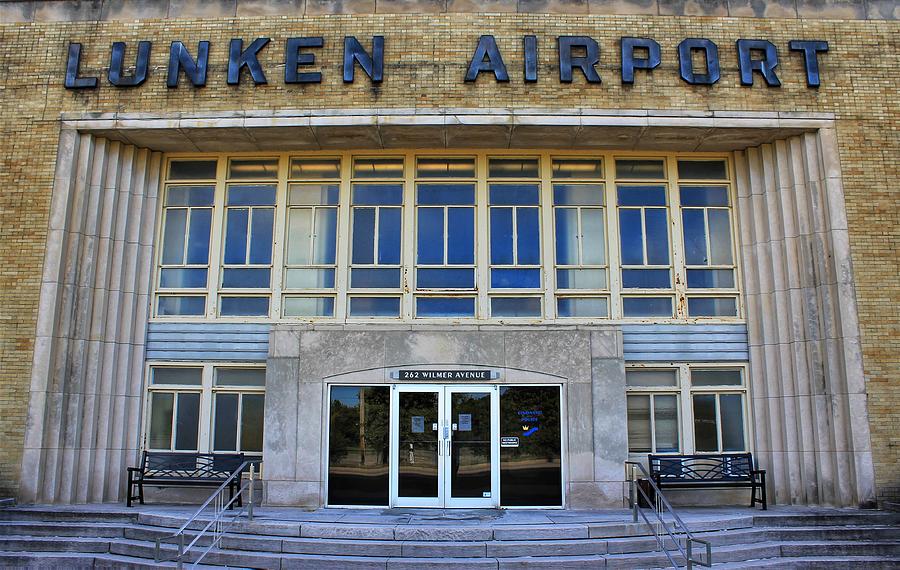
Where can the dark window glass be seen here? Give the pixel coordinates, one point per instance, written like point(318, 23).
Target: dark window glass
point(732, 422)
point(445, 278)
point(236, 236)
point(530, 474)
point(254, 195)
point(198, 237)
point(460, 235)
point(364, 235)
point(245, 306)
point(389, 236)
point(694, 224)
point(628, 168)
point(374, 278)
point(187, 421)
point(161, 410)
point(528, 234)
point(192, 169)
point(253, 168)
point(577, 168)
point(252, 408)
point(631, 237)
point(245, 278)
point(515, 278)
point(647, 306)
point(642, 195)
point(377, 194)
point(657, 236)
point(418, 461)
point(430, 236)
point(471, 453)
point(706, 436)
point(712, 306)
point(446, 194)
point(514, 194)
point(374, 306)
point(183, 376)
point(516, 307)
point(445, 307)
point(378, 168)
point(639, 433)
point(312, 168)
point(226, 422)
point(445, 168)
point(646, 278)
point(170, 306)
point(710, 278)
point(700, 196)
point(261, 235)
point(358, 445)
point(702, 169)
point(501, 236)
point(513, 168)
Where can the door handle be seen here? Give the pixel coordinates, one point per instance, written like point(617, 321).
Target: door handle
point(440, 448)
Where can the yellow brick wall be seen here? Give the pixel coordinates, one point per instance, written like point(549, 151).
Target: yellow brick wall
point(426, 58)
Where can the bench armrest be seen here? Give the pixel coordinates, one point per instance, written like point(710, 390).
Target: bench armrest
point(759, 471)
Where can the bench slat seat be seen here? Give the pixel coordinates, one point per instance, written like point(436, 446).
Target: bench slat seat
point(702, 471)
point(176, 469)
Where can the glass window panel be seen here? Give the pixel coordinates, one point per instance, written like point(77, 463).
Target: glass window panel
point(514, 194)
point(631, 237)
point(516, 307)
point(374, 306)
point(245, 306)
point(227, 376)
point(245, 278)
point(631, 168)
point(582, 307)
point(377, 194)
point(299, 236)
point(460, 236)
point(198, 241)
point(378, 168)
point(325, 248)
point(430, 236)
point(190, 195)
point(694, 225)
point(252, 411)
point(665, 420)
point(593, 231)
point(513, 168)
point(567, 236)
point(702, 196)
point(445, 194)
point(187, 421)
point(253, 195)
point(314, 168)
point(528, 236)
point(719, 237)
point(712, 306)
point(309, 279)
point(732, 422)
point(581, 279)
point(309, 306)
point(225, 423)
point(358, 445)
point(170, 306)
point(651, 378)
point(162, 406)
point(445, 306)
point(255, 168)
point(445, 278)
point(641, 195)
point(515, 278)
point(389, 226)
point(647, 306)
point(639, 435)
point(502, 236)
point(364, 235)
point(375, 278)
point(577, 168)
point(710, 278)
point(236, 220)
point(445, 167)
point(180, 376)
point(657, 226)
point(706, 436)
point(262, 220)
point(192, 169)
point(578, 194)
point(702, 169)
point(182, 278)
point(716, 377)
point(314, 194)
point(646, 278)
point(174, 237)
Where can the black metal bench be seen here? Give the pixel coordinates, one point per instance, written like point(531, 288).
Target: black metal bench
point(174, 469)
point(705, 471)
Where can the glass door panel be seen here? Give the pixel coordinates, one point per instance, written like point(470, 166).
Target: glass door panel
point(473, 428)
point(419, 447)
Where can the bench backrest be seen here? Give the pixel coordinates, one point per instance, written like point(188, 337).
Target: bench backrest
point(687, 468)
point(168, 464)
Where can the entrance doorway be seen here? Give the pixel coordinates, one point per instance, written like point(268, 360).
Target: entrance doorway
point(445, 446)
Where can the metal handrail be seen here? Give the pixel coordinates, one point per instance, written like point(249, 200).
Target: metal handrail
point(219, 509)
point(662, 505)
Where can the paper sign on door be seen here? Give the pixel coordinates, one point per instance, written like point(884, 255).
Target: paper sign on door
point(465, 422)
point(418, 424)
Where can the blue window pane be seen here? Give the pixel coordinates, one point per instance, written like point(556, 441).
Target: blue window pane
point(374, 278)
point(566, 236)
point(377, 194)
point(245, 306)
point(183, 306)
point(198, 242)
point(236, 235)
point(460, 236)
point(581, 278)
point(719, 237)
point(446, 194)
point(631, 237)
point(445, 278)
point(389, 236)
point(704, 196)
point(647, 306)
point(245, 278)
point(445, 307)
point(190, 195)
point(430, 238)
point(374, 306)
point(657, 226)
point(173, 237)
point(363, 235)
point(712, 307)
point(528, 235)
point(182, 278)
point(501, 236)
point(642, 195)
point(694, 224)
point(309, 278)
point(515, 278)
point(582, 307)
point(309, 306)
point(325, 244)
point(514, 194)
point(710, 278)
point(255, 195)
point(578, 194)
point(516, 307)
point(261, 235)
point(646, 278)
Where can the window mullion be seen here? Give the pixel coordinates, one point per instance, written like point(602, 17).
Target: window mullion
point(279, 238)
point(342, 271)
point(482, 238)
point(613, 251)
point(546, 237)
point(679, 273)
point(408, 238)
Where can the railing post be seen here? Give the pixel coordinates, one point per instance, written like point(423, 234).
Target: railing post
point(180, 563)
point(250, 494)
point(690, 556)
point(634, 494)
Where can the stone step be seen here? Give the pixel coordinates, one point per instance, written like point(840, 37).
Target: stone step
point(53, 544)
point(816, 563)
point(828, 519)
point(40, 528)
point(65, 515)
point(54, 561)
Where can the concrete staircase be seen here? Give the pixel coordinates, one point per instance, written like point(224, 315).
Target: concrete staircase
point(85, 538)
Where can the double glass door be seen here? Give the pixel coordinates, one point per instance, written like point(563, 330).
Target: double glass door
point(444, 446)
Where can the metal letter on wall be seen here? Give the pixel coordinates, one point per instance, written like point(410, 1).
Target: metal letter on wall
point(117, 65)
point(293, 59)
point(180, 59)
point(765, 66)
point(568, 61)
point(810, 49)
point(238, 59)
point(531, 73)
point(487, 58)
point(72, 80)
point(373, 65)
point(686, 63)
point(630, 62)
